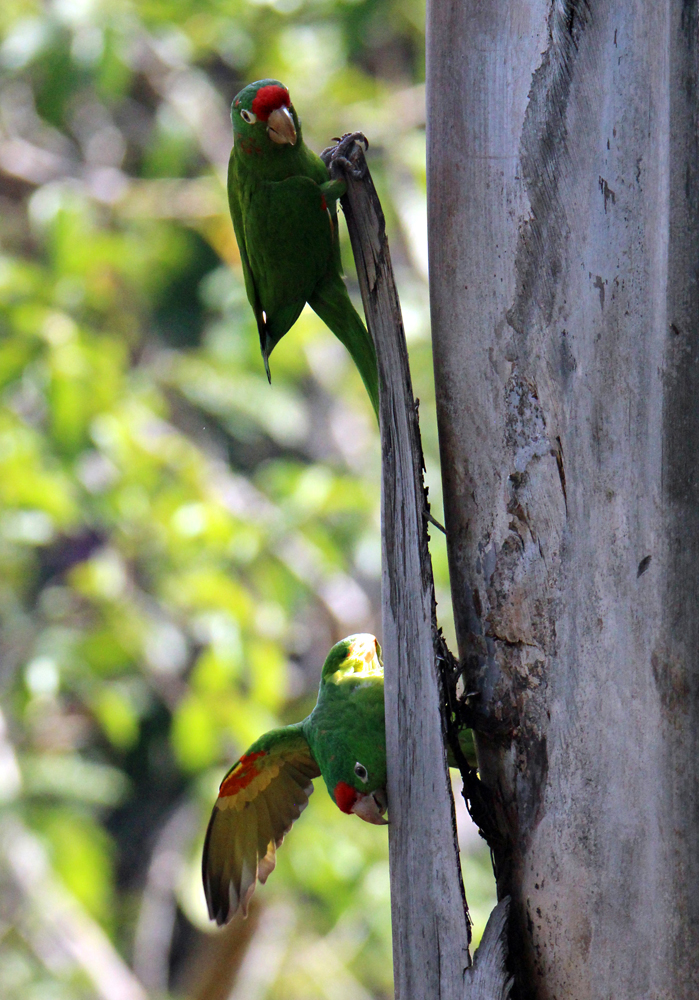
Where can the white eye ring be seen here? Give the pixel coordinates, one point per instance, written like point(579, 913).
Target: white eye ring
point(361, 772)
point(248, 116)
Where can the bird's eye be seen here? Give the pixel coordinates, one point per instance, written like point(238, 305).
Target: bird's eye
point(248, 117)
point(361, 772)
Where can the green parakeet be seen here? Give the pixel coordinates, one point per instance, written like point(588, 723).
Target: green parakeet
point(343, 739)
point(283, 205)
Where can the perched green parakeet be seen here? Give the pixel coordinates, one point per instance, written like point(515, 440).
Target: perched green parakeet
point(283, 205)
point(343, 739)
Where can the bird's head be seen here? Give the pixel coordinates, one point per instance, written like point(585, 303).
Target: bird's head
point(356, 657)
point(357, 769)
point(264, 118)
point(369, 806)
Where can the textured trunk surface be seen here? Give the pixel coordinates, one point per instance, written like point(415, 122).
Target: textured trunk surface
point(564, 257)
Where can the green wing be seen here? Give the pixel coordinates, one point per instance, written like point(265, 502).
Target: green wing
point(259, 799)
point(239, 229)
point(288, 238)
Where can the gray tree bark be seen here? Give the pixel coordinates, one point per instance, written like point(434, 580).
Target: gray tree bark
point(563, 196)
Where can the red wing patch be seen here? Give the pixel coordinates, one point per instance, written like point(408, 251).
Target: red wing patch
point(240, 776)
point(323, 203)
point(268, 99)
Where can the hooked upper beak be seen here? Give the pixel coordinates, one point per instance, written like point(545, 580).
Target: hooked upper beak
point(371, 807)
point(281, 128)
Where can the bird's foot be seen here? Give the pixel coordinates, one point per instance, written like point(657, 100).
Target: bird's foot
point(338, 159)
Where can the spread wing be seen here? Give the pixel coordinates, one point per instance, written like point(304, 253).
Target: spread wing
point(259, 799)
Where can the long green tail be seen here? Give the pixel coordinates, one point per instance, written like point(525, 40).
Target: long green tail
point(332, 303)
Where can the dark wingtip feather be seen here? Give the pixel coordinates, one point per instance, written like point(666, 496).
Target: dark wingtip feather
point(221, 915)
point(217, 900)
point(206, 871)
point(266, 342)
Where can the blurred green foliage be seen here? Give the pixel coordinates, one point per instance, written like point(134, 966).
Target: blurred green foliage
point(180, 544)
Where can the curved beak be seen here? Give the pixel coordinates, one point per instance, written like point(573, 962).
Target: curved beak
point(371, 807)
point(281, 128)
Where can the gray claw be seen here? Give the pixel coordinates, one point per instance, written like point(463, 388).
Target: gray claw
point(349, 168)
point(338, 155)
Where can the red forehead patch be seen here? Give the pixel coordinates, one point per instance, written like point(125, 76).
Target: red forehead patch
point(345, 796)
point(268, 99)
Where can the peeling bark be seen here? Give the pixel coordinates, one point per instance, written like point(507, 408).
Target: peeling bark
point(563, 193)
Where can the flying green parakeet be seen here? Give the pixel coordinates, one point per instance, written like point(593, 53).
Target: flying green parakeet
point(284, 211)
point(343, 739)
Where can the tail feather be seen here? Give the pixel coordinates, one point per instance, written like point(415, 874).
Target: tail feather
point(273, 326)
point(331, 302)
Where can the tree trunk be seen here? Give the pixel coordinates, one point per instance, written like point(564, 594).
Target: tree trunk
point(564, 249)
